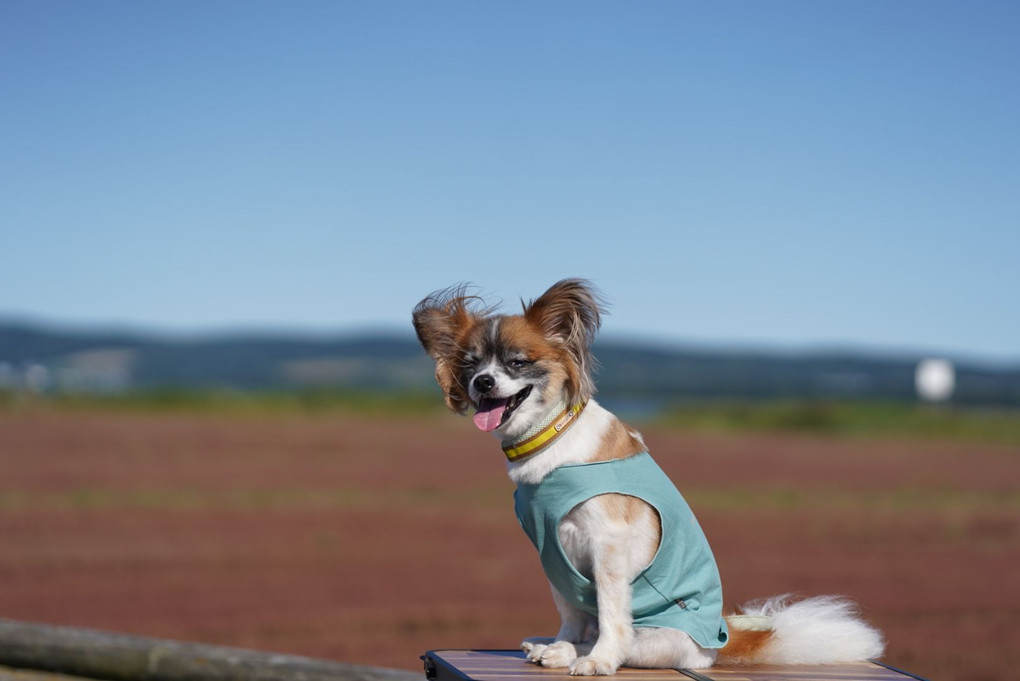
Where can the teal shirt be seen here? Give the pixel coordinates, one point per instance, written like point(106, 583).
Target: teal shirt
point(681, 588)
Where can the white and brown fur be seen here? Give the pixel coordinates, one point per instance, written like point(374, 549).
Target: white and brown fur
point(610, 538)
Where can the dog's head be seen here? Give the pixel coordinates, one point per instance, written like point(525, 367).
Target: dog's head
point(511, 368)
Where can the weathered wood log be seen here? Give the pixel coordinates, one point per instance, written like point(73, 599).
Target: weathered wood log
point(9, 674)
point(120, 657)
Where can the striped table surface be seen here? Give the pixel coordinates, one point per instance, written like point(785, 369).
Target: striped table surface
point(511, 665)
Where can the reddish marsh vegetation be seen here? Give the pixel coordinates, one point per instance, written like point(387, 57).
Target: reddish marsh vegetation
point(371, 540)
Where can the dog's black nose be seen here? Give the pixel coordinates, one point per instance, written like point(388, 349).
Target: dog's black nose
point(484, 383)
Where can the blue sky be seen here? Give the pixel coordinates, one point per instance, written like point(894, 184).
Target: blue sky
point(787, 174)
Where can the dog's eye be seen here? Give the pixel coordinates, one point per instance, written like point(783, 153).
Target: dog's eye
point(518, 363)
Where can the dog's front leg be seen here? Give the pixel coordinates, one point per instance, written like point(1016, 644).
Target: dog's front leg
point(560, 651)
point(616, 624)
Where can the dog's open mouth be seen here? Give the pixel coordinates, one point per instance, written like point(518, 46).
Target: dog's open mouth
point(492, 413)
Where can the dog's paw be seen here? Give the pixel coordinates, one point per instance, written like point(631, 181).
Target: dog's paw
point(592, 666)
point(534, 651)
point(556, 655)
point(534, 647)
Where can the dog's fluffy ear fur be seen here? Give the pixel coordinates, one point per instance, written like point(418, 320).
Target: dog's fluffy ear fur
point(570, 314)
point(441, 320)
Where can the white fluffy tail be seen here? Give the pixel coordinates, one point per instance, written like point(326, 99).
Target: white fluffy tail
point(819, 630)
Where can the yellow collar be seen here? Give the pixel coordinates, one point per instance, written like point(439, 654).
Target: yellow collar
point(533, 444)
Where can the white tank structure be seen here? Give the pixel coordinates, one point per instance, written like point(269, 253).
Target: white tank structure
point(935, 380)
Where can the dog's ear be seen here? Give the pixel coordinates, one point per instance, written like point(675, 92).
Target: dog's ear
point(441, 320)
point(570, 314)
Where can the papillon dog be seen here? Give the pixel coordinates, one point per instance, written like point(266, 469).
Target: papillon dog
point(632, 575)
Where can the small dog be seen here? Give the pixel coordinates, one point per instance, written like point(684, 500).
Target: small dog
point(632, 575)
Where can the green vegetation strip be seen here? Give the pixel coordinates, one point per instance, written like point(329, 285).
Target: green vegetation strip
point(253, 500)
point(843, 419)
point(722, 500)
point(863, 419)
point(896, 499)
point(235, 402)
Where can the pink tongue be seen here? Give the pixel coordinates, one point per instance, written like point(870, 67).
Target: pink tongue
point(489, 414)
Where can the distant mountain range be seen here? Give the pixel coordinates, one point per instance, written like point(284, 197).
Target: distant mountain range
point(37, 358)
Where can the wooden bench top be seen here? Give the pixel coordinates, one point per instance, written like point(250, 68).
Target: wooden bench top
point(511, 665)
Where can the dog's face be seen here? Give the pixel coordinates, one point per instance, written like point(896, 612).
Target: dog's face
point(511, 368)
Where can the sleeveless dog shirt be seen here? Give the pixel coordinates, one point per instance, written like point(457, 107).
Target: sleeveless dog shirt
point(680, 589)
